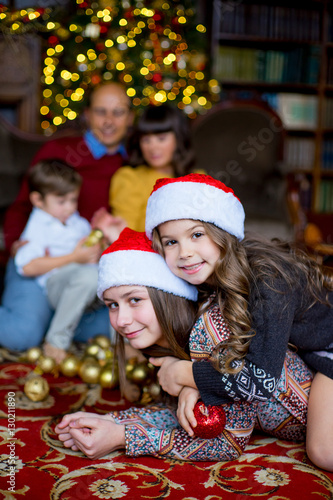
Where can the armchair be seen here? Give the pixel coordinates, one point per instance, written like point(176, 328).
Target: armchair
point(240, 142)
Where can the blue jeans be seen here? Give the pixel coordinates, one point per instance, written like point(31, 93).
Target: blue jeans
point(25, 314)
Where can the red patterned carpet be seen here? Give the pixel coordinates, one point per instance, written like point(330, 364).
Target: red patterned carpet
point(278, 470)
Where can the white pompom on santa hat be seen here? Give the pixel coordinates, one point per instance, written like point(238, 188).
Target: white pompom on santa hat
point(131, 260)
point(198, 197)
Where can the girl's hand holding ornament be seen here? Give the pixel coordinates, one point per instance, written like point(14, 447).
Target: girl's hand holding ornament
point(206, 422)
point(210, 420)
point(186, 402)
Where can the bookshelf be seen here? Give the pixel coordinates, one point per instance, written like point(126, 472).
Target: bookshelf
point(284, 53)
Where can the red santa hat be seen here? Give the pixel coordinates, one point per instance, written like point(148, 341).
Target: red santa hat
point(198, 197)
point(131, 260)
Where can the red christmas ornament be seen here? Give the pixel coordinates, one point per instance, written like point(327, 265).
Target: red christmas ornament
point(129, 13)
point(157, 77)
point(157, 16)
point(95, 79)
point(53, 40)
point(210, 420)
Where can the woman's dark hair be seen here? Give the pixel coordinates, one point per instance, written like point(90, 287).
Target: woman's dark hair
point(157, 120)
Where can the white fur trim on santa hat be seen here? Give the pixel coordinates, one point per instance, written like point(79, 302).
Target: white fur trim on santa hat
point(197, 201)
point(136, 267)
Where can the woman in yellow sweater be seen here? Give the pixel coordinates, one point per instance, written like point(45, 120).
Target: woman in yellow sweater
point(160, 146)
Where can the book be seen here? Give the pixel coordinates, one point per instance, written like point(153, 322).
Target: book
point(299, 153)
point(298, 111)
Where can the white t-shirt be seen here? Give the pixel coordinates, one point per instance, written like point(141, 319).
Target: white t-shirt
point(45, 232)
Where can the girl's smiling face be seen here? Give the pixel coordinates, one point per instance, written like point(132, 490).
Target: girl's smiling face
point(189, 252)
point(132, 315)
point(158, 150)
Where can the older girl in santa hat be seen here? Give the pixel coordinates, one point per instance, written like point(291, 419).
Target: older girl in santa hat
point(154, 310)
point(269, 296)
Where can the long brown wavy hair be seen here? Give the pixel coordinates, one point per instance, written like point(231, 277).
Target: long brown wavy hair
point(176, 317)
point(240, 266)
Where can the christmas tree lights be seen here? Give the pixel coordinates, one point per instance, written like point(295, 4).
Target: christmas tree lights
point(155, 48)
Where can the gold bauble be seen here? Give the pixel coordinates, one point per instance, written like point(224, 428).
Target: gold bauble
point(130, 365)
point(146, 397)
point(140, 373)
point(33, 354)
point(70, 366)
point(154, 389)
point(109, 356)
point(84, 362)
point(103, 341)
point(93, 350)
point(94, 237)
point(89, 371)
point(46, 363)
point(109, 376)
point(98, 352)
point(36, 388)
point(87, 359)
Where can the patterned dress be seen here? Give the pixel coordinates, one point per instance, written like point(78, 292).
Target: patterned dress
point(282, 415)
point(155, 430)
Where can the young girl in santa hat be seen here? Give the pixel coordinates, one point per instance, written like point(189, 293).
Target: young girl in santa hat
point(154, 310)
point(269, 296)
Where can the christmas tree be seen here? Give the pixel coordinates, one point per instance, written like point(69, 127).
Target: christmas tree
point(155, 48)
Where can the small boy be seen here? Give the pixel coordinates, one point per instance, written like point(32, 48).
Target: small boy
point(55, 253)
